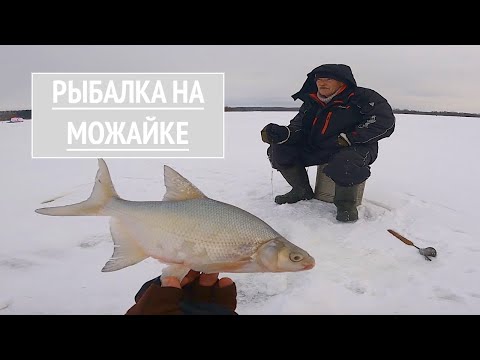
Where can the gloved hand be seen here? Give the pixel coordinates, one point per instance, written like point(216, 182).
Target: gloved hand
point(208, 289)
point(196, 294)
point(274, 134)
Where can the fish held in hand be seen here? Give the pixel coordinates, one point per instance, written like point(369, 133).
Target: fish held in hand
point(186, 230)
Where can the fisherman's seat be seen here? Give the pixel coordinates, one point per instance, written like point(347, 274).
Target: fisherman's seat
point(325, 187)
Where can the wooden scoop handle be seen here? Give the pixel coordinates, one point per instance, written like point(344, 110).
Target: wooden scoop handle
point(402, 238)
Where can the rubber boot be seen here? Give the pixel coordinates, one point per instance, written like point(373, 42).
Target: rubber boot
point(298, 179)
point(345, 200)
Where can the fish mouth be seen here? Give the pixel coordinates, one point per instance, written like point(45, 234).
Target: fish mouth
point(309, 266)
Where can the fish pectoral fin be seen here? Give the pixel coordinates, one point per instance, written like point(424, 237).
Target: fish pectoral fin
point(179, 188)
point(117, 263)
point(178, 271)
point(126, 251)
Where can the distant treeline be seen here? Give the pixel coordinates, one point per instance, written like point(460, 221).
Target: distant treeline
point(396, 111)
point(27, 114)
point(7, 115)
point(439, 113)
point(260, 108)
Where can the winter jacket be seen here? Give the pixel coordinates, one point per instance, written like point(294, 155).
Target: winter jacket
point(362, 114)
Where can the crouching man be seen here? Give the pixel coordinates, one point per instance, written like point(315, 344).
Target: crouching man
point(338, 124)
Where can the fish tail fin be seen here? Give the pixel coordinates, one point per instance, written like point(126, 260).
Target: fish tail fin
point(103, 192)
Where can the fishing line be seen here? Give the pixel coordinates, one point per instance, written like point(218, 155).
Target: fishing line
point(271, 181)
point(76, 188)
point(66, 193)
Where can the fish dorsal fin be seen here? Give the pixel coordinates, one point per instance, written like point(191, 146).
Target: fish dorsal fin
point(179, 188)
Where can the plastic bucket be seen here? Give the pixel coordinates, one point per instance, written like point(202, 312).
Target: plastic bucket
point(325, 187)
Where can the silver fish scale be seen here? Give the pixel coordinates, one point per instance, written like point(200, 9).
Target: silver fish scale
point(201, 230)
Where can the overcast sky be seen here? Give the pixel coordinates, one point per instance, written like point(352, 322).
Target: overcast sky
point(416, 77)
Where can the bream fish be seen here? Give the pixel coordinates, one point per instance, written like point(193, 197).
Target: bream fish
point(186, 230)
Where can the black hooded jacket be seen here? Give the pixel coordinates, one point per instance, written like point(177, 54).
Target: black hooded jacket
point(362, 114)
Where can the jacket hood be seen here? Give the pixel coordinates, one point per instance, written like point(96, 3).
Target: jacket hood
point(338, 72)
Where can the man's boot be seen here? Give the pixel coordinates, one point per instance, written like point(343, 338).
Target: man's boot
point(345, 200)
point(297, 177)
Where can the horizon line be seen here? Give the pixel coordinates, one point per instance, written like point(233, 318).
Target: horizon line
point(293, 108)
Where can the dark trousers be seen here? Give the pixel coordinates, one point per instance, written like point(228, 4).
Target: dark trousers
point(346, 167)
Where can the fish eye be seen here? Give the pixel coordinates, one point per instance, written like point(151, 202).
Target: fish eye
point(296, 257)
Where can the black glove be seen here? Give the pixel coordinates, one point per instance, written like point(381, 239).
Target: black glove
point(226, 296)
point(217, 298)
point(274, 134)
